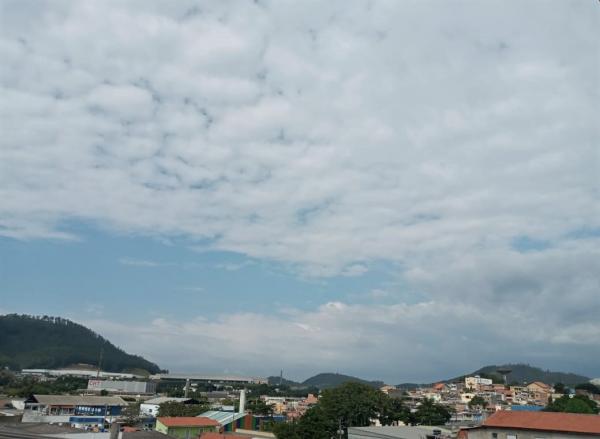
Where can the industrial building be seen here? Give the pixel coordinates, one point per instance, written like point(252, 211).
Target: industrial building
point(210, 379)
point(78, 411)
point(125, 387)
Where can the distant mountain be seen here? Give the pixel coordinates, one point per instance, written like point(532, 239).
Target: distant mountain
point(522, 373)
point(29, 342)
point(323, 381)
point(327, 380)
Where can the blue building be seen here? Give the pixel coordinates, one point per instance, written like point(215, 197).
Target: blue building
point(79, 411)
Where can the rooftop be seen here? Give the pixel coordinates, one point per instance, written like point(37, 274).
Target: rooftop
point(223, 417)
point(187, 421)
point(162, 399)
point(73, 400)
point(545, 421)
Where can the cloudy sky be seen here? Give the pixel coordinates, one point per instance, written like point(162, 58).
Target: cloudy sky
point(401, 190)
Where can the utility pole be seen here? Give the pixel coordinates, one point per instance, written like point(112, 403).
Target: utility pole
point(100, 360)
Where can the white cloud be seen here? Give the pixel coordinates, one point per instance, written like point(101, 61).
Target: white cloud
point(324, 136)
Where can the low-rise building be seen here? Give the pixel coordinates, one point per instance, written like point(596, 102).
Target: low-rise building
point(117, 386)
point(536, 425)
point(185, 427)
point(79, 411)
point(476, 381)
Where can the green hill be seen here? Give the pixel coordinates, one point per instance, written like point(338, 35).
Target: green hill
point(327, 380)
point(524, 373)
point(29, 342)
point(275, 380)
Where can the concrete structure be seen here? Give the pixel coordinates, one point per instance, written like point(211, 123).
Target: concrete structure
point(536, 425)
point(82, 373)
point(210, 379)
point(476, 381)
point(114, 386)
point(79, 411)
point(185, 427)
point(150, 406)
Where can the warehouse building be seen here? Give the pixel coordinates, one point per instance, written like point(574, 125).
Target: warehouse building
point(124, 387)
point(78, 411)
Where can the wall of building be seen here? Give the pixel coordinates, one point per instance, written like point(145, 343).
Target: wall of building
point(122, 386)
point(149, 409)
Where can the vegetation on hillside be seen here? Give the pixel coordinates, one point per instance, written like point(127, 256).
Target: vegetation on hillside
point(53, 342)
point(12, 385)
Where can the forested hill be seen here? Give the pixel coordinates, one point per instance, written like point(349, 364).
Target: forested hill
point(525, 373)
point(324, 381)
point(53, 342)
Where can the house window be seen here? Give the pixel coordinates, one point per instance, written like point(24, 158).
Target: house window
point(511, 436)
point(494, 435)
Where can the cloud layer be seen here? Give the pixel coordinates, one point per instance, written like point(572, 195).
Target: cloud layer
point(455, 141)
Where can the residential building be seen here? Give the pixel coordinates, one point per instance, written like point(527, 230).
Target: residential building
point(185, 427)
point(476, 381)
point(536, 425)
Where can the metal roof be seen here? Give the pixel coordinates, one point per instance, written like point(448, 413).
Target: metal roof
point(212, 378)
point(79, 400)
point(223, 417)
point(392, 432)
point(162, 399)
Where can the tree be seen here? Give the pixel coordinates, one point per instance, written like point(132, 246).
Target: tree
point(559, 388)
point(588, 387)
point(130, 416)
point(431, 413)
point(350, 405)
point(353, 403)
point(576, 404)
point(286, 430)
point(173, 408)
point(259, 407)
point(477, 401)
point(392, 410)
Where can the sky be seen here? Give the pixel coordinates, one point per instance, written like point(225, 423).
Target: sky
point(398, 190)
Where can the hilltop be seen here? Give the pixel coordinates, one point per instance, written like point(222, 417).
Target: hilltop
point(53, 342)
point(522, 373)
point(324, 381)
point(525, 373)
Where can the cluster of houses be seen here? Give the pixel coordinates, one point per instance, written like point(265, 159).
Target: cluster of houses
point(475, 399)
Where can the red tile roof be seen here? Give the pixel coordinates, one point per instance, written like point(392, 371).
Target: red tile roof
point(547, 421)
point(221, 436)
point(183, 421)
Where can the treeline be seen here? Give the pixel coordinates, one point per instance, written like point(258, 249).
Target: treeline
point(14, 386)
point(45, 342)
